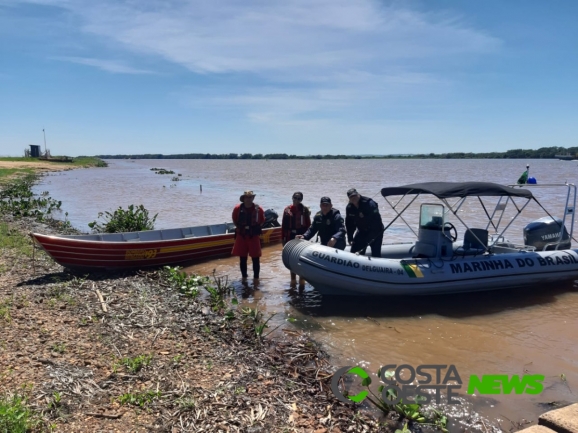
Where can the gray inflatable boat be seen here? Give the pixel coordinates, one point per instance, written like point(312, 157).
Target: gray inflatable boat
point(437, 262)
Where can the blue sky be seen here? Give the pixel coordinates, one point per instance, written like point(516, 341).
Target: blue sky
point(297, 76)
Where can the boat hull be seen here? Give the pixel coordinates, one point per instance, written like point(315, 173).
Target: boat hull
point(74, 252)
point(335, 272)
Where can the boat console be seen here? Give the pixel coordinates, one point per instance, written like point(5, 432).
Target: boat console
point(435, 237)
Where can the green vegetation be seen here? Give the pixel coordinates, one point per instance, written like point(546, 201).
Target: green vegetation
point(14, 239)
point(6, 173)
point(189, 285)
point(134, 365)
point(20, 159)
point(17, 199)
point(219, 292)
point(162, 171)
point(81, 161)
point(408, 412)
point(542, 153)
point(5, 311)
point(88, 161)
point(254, 317)
point(139, 398)
point(130, 220)
point(15, 417)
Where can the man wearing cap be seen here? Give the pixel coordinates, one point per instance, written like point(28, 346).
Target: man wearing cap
point(329, 224)
point(296, 221)
point(248, 218)
point(362, 214)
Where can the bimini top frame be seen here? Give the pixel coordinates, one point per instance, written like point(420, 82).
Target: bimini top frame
point(463, 190)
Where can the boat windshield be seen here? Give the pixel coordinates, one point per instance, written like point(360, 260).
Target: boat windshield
point(431, 216)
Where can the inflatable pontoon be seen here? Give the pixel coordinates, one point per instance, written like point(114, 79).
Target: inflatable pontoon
point(437, 262)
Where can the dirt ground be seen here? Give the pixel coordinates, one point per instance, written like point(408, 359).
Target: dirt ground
point(39, 166)
point(129, 353)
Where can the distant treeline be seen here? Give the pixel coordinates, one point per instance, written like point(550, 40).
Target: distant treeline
point(542, 153)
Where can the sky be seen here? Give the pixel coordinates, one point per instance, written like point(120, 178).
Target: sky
point(293, 76)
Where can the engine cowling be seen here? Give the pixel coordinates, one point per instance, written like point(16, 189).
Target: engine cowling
point(546, 231)
point(271, 219)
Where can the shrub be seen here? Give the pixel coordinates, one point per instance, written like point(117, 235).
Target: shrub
point(133, 219)
point(15, 417)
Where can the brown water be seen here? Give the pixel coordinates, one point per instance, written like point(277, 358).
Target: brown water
point(500, 332)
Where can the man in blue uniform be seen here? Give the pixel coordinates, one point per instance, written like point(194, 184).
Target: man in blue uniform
point(329, 224)
point(362, 214)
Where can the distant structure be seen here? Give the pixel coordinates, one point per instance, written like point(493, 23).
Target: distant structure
point(34, 151)
point(566, 157)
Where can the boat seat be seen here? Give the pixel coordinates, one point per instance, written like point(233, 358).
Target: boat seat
point(218, 229)
point(171, 234)
point(87, 237)
point(130, 237)
point(200, 231)
point(475, 239)
point(111, 237)
point(152, 235)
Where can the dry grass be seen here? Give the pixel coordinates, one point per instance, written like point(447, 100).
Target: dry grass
point(155, 361)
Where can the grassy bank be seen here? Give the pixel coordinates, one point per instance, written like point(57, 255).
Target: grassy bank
point(84, 161)
point(14, 167)
point(148, 351)
point(6, 173)
point(154, 350)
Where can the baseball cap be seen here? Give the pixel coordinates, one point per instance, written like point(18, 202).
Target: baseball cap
point(352, 192)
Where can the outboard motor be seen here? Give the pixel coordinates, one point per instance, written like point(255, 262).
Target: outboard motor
point(271, 219)
point(546, 231)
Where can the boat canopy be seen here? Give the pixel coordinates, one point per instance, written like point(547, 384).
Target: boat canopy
point(458, 189)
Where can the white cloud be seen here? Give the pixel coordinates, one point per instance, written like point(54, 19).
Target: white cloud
point(105, 65)
point(263, 36)
point(308, 56)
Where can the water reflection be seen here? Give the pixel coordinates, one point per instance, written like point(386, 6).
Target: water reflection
point(461, 305)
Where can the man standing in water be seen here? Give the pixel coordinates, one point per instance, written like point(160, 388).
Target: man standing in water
point(248, 218)
point(296, 221)
point(329, 223)
point(362, 214)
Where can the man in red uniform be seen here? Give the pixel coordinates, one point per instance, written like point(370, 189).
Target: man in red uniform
point(296, 221)
point(248, 218)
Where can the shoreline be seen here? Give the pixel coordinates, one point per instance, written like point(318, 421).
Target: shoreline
point(129, 352)
point(130, 289)
point(75, 337)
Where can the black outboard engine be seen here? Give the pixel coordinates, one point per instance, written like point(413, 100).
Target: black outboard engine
point(271, 219)
point(546, 231)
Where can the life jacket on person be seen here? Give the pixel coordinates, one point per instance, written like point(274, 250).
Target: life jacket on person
point(248, 223)
point(296, 221)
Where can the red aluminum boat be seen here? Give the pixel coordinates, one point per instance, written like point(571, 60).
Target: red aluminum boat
point(146, 248)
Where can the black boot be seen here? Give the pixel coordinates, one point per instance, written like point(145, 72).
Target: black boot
point(243, 266)
point(256, 267)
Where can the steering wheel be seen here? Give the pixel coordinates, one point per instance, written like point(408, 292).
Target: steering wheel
point(453, 232)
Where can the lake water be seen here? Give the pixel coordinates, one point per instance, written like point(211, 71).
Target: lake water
point(532, 331)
